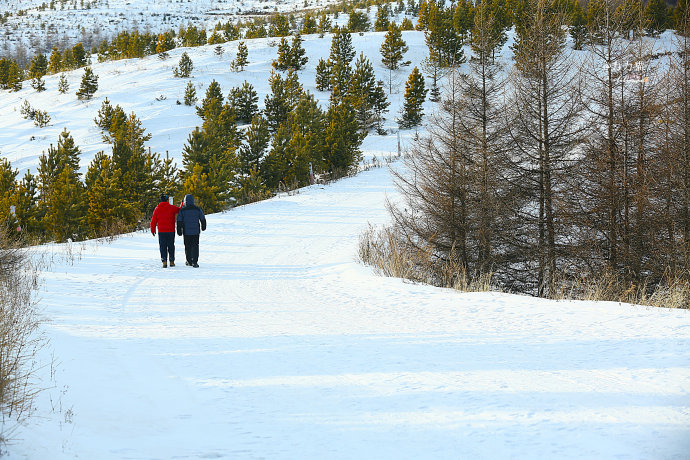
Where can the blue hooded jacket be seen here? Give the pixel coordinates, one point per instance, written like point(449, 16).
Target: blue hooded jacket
point(189, 218)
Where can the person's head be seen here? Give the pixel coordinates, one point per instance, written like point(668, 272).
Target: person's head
point(164, 197)
point(188, 200)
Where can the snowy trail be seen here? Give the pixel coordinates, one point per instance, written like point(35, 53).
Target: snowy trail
point(282, 346)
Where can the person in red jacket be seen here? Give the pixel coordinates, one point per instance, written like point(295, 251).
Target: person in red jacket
point(164, 217)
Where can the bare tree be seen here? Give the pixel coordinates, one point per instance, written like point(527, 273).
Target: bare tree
point(545, 135)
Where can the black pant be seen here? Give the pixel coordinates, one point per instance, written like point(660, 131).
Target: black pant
point(166, 241)
point(191, 248)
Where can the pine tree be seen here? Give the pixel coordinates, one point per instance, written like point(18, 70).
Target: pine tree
point(657, 16)
point(38, 84)
point(63, 85)
point(211, 105)
point(393, 52)
point(380, 104)
point(358, 22)
point(323, 76)
point(38, 67)
point(184, 67)
point(309, 25)
point(79, 54)
point(362, 92)
point(89, 85)
point(415, 94)
point(283, 61)
point(241, 60)
point(110, 211)
point(324, 25)
point(55, 62)
point(382, 19)
point(285, 93)
point(578, 25)
point(342, 139)
point(443, 40)
point(189, 94)
point(197, 184)
point(244, 101)
point(255, 144)
point(26, 202)
point(65, 208)
point(280, 26)
point(298, 58)
point(80, 57)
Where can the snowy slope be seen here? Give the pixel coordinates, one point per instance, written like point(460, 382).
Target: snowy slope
point(38, 29)
point(147, 88)
point(282, 346)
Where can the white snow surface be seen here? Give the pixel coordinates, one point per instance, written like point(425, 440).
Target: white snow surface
point(281, 345)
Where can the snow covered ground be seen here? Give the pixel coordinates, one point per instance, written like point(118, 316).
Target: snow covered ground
point(281, 345)
point(38, 29)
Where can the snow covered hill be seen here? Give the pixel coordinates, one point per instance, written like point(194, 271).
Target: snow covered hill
point(39, 27)
point(147, 88)
point(283, 346)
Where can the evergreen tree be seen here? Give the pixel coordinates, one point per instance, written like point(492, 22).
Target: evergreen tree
point(63, 85)
point(393, 52)
point(244, 101)
point(38, 67)
point(285, 93)
point(139, 166)
point(212, 103)
point(679, 16)
point(197, 150)
point(309, 25)
point(283, 61)
point(189, 94)
point(110, 211)
point(323, 76)
point(362, 93)
point(65, 207)
point(55, 62)
point(380, 104)
point(89, 85)
point(342, 139)
point(324, 25)
point(298, 58)
point(27, 210)
point(382, 19)
point(79, 55)
point(241, 60)
point(415, 94)
point(38, 84)
point(298, 142)
point(657, 16)
point(197, 184)
point(280, 26)
point(358, 22)
point(184, 67)
point(255, 144)
point(578, 25)
point(342, 49)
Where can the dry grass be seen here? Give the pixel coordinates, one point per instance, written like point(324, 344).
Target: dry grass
point(20, 338)
point(386, 251)
point(672, 292)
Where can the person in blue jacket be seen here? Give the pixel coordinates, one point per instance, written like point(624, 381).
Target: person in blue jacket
point(190, 223)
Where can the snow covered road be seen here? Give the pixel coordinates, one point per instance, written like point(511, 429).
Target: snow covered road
point(282, 346)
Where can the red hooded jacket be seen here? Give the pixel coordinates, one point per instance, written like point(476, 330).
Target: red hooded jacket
point(164, 216)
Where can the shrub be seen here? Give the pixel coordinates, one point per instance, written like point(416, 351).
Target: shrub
point(20, 338)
